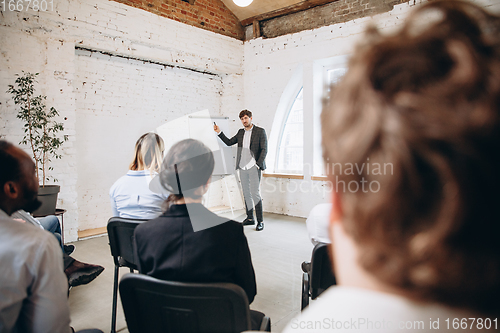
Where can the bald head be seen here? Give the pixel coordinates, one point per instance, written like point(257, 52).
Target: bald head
point(18, 182)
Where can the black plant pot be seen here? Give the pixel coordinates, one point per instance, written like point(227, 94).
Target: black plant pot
point(48, 196)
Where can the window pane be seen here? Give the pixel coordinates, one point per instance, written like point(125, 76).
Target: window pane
point(333, 76)
point(290, 152)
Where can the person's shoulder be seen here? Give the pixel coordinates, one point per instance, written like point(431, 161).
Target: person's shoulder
point(260, 130)
point(321, 209)
point(8, 224)
point(151, 224)
point(26, 234)
point(230, 226)
point(120, 181)
point(218, 222)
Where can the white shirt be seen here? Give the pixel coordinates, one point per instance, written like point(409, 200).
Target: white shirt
point(33, 287)
point(317, 223)
point(21, 214)
point(345, 309)
point(246, 155)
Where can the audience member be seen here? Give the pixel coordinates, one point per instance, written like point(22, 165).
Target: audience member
point(77, 272)
point(169, 249)
point(418, 250)
point(33, 288)
point(317, 226)
point(130, 195)
point(317, 223)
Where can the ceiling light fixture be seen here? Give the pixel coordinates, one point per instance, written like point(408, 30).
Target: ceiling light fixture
point(242, 3)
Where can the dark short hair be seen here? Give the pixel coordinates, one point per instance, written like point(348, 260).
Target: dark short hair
point(188, 165)
point(245, 113)
point(10, 168)
point(426, 100)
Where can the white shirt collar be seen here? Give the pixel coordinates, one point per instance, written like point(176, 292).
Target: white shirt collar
point(3, 214)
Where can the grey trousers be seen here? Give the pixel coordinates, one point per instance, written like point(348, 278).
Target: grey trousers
point(250, 183)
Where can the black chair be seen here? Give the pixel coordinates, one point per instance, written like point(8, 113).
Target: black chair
point(121, 240)
point(152, 305)
point(319, 277)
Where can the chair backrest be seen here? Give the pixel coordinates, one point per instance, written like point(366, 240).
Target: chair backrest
point(121, 240)
point(152, 305)
point(322, 276)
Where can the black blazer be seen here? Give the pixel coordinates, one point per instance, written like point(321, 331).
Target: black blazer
point(258, 145)
point(168, 249)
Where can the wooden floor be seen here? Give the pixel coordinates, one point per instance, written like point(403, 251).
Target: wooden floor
point(277, 253)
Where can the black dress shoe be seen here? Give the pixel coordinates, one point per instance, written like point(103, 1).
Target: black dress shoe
point(260, 226)
point(79, 273)
point(248, 221)
point(69, 249)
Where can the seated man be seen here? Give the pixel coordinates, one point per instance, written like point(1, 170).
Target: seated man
point(420, 109)
point(33, 288)
point(77, 272)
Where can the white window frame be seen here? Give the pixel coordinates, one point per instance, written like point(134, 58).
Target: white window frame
point(282, 132)
point(323, 67)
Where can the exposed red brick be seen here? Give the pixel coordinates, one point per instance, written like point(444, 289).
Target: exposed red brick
point(224, 21)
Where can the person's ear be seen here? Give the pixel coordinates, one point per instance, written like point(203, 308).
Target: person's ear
point(10, 190)
point(336, 214)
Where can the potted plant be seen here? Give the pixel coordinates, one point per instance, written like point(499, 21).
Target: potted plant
point(40, 134)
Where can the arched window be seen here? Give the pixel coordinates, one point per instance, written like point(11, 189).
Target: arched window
point(332, 74)
point(291, 143)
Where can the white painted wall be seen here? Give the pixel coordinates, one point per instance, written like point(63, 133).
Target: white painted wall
point(270, 68)
point(118, 100)
point(129, 96)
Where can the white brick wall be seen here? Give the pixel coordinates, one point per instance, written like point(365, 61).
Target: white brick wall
point(268, 67)
point(118, 100)
point(130, 97)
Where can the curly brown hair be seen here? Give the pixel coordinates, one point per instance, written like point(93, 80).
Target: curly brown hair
point(425, 100)
point(245, 113)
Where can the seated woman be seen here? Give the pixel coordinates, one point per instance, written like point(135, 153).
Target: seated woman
point(130, 195)
point(169, 249)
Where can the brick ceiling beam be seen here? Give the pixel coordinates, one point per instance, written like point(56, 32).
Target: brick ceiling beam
point(285, 11)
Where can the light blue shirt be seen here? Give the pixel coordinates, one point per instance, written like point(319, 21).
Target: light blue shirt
point(131, 197)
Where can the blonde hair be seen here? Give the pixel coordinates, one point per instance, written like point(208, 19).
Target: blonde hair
point(148, 153)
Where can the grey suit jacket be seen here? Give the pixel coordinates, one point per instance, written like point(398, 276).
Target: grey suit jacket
point(258, 145)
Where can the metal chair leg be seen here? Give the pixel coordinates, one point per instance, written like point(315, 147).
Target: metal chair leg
point(115, 300)
point(305, 291)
